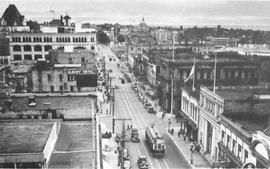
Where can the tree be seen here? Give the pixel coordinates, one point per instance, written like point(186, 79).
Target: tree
point(103, 38)
point(121, 38)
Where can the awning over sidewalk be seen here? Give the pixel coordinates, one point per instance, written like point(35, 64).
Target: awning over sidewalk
point(189, 121)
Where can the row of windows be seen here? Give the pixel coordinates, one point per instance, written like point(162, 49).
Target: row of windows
point(49, 39)
point(62, 88)
point(29, 39)
point(27, 57)
point(190, 108)
point(70, 77)
point(232, 145)
point(210, 106)
point(17, 48)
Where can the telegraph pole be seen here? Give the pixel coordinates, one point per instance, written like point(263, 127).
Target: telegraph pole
point(172, 84)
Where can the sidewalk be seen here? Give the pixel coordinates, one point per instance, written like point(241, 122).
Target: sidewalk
point(199, 161)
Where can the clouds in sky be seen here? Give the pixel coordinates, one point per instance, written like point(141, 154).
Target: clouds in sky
point(173, 12)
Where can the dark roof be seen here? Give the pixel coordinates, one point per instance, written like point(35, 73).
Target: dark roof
point(12, 16)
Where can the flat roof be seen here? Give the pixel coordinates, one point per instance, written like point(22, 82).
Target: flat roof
point(244, 109)
point(70, 106)
point(24, 137)
point(75, 147)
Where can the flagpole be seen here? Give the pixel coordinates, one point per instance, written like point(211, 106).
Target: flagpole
point(215, 73)
point(193, 82)
point(172, 78)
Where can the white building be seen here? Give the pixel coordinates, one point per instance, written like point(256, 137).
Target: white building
point(32, 46)
point(211, 106)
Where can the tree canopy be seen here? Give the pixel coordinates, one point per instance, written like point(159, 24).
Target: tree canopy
point(103, 38)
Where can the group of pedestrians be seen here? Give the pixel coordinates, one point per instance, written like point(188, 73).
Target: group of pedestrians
point(129, 127)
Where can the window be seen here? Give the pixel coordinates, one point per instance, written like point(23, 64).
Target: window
point(38, 57)
point(83, 60)
point(60, 88)
point(17, 57)
point(71, 77)
point(48, 47)
point(70, 60)
point(233, 146)
point(239, 151)
point(16, 48)
point(49, 77)
point(228, 141)
point(223, 136)
point(27, 57)
point(52, 88)
point(92, 48)
point(37, 48)
point(71, 88)
point(27, 48)
point(246, 156)
point(61, 77)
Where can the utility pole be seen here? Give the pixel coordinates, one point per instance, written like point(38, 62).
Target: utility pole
point(172, 76)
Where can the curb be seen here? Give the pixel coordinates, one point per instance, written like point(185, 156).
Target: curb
point(179, 149)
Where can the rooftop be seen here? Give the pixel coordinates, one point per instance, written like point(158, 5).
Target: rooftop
point(70, 106)
point(22, 69)
point(24, 137)
point(246, 110)
point(75, 147)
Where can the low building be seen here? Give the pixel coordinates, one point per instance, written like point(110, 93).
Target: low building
point(27, 144)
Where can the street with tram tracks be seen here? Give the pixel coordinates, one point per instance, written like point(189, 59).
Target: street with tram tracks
point(127, 106)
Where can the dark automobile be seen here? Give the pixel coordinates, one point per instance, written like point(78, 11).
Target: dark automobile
point(142, 162)
point(135, 135)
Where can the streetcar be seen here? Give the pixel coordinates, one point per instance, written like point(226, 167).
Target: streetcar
point(155, 142)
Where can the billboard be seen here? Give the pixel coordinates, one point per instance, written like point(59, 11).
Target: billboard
point(84, 78)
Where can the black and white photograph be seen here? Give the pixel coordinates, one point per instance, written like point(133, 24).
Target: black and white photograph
point(134, 84)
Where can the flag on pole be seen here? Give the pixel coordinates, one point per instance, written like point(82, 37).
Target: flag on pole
point(191, 73)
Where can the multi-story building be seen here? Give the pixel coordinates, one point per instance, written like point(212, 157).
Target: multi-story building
point(13, 21)
point(231, 70)
point(63, 77)
point(33, 46)
point(190, 112)
point(211, 106)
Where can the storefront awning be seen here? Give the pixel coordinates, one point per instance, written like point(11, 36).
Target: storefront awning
point(189, 121)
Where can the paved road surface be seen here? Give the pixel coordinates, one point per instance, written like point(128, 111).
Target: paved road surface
point(127, 105)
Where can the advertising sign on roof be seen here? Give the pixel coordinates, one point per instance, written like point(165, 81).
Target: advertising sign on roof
point(81, 72)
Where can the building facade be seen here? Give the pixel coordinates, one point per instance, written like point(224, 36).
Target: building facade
point(211, 106)
point(33, 46)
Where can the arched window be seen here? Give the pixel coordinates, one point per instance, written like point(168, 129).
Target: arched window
point(16, 48)
point(48, 47)
point(23, 39)
point(66, 39)
point(37, 48)
point(73, 39)
point(92, 48)
point(27, 48)
point(85, 39)
point(50, 39)
point(40, 39)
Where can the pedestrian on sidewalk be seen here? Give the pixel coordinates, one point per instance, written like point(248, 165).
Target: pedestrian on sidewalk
point(131, 126)
point(163, 115)
point(179, 133)
point(127, 127)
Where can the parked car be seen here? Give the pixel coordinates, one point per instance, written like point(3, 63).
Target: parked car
point(142, 162)
point(135, 135)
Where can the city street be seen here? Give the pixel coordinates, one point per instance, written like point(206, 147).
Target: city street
point(127, 106)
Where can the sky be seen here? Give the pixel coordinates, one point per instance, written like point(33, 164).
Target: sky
point(230, 13)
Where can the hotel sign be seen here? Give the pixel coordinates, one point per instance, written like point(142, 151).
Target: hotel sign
point(81, 72)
